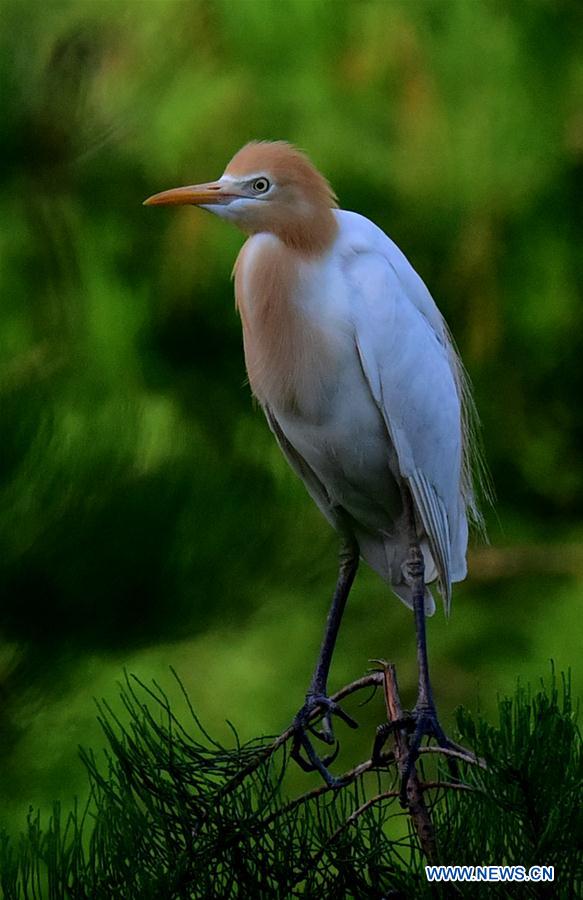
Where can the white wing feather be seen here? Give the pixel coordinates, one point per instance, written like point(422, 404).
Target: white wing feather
point(408, 362)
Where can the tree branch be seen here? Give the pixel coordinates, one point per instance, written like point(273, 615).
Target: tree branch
point(415, 803)
point(466, 756)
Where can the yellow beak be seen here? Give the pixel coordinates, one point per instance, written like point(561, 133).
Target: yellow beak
point(195, 195)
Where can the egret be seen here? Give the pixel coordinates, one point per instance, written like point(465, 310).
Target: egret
point(356, 372)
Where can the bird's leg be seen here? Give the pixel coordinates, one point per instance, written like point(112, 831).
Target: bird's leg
point(316, 697)
point(348, 564)
point(424, 719)
point(416, 572)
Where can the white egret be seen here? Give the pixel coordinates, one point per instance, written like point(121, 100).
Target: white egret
point(355, 370)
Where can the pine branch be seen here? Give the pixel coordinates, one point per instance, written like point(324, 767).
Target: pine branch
point(175, 813)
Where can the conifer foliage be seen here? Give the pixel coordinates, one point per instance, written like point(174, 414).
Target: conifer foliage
point(173, 813)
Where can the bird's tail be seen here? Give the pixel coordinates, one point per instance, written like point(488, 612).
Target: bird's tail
point(388, 557)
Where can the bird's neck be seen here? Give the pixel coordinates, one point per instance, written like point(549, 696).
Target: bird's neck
point(285, 355)
point(309, 233)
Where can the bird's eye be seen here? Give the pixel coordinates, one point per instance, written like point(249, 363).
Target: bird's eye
point(260, 185)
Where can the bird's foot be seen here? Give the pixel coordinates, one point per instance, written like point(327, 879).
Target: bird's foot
point(421, 722)
point(317, 703)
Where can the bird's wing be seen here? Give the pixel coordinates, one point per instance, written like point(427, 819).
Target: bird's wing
point(304, 471)
point(406, 361)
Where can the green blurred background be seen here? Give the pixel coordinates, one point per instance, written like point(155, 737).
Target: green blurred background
point(147, 518)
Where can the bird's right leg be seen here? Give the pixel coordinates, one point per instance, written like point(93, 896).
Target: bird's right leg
point(316, 697)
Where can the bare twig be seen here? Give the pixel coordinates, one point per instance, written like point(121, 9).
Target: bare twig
point(449, 785)
point(466, 756)
point(414, 791)
point(385, 795)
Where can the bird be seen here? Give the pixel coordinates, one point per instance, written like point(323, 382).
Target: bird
point(357, 374)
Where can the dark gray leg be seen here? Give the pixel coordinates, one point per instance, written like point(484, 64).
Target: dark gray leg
point(416, 569)
point(425, 718)
point(316, 698)
point(416, 573)
point(346, 574)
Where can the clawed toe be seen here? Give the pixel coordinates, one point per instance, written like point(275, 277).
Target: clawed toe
point(383, 733)
point(426, 724)
point(318, 704)
point(313, 762)
point(421, 722)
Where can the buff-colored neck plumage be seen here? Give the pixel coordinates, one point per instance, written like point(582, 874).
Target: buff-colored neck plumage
point(285, 353)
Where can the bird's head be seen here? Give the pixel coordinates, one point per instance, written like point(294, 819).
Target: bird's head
point(269, 186)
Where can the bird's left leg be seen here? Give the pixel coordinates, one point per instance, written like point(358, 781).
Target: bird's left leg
point(316, 697)
point(425, 712)
point(424, 720)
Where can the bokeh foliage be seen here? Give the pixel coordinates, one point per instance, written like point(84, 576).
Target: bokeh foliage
point(145, 515)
